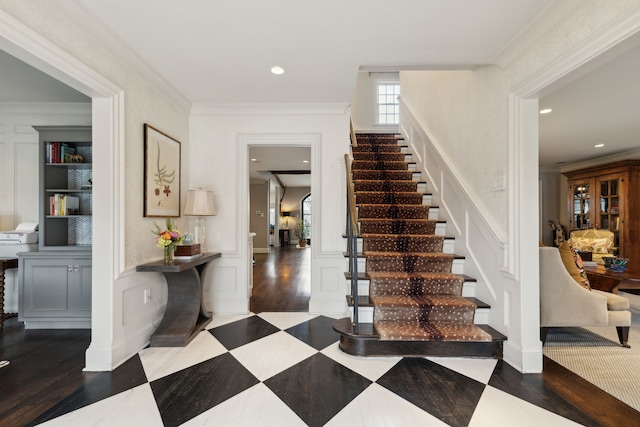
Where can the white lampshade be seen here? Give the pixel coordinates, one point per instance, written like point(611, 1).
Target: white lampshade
point(200, 203)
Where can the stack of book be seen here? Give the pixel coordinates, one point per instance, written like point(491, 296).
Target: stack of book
point(58, 152)
point(63, 205)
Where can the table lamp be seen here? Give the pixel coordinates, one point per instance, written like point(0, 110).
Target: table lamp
point(286, 215)
point(199, 204)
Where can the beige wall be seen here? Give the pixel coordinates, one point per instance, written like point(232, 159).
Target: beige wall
point(259, 223)
point(467, 111)
point(363, 104)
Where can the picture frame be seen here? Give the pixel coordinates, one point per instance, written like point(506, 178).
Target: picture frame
point(161, 174)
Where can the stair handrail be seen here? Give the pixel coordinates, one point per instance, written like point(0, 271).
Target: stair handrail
point(353, 232)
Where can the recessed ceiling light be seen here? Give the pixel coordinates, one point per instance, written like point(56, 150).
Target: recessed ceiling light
point(305, 161)
point(598, 146)
point(254, 160)
point(277, 70)
point(546, 111)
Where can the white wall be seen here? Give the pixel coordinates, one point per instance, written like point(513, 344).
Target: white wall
point(223, 167)
point(484, 130)
point(122, 323)
point(363, 103)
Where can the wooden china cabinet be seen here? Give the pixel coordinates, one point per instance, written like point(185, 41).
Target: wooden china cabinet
point(608, 197)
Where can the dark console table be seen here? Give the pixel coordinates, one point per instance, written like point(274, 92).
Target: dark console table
point(5, 264)
point(186, 315)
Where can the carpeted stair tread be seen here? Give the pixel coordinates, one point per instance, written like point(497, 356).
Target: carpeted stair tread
point(377, 148)
point(417, 283)
point(386, 198)
point(396, 211)
point(423, 308)
point(430, 331)
point(397, 226)
point(409, 261)
point(380, 156)
point(373, 164)
point(401, 175)
point(383, 185)
point(402, 242)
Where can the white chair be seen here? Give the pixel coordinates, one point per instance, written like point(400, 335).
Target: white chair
point(565, 303)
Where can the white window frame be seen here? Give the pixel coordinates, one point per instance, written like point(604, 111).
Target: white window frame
point(386, 105)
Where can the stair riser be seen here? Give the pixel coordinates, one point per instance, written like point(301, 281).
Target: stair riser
point(468, 288)
point(400, 228)
point(415, 287)
point(457, 266)
point(382, 156)
point(408, 264)
point(396, 175)
point(393, 212)
point(425, 314)
point(381, 148)
point(374, 165)
point(383, 198)
point(366, 315)
point(403, 244)
point(447, 244)
point(386, 186)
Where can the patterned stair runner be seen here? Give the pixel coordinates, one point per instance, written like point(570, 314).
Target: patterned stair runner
point(414, 294)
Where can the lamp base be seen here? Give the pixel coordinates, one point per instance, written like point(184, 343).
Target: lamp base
point(199, 234)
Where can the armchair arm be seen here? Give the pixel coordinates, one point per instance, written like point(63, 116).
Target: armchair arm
point(563, 302)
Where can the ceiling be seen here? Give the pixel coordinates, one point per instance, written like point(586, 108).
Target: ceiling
point(221, 52)
point(597, 104)
point(283, 164)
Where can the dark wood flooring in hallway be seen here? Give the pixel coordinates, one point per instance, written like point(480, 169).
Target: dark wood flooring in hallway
point(282, 280)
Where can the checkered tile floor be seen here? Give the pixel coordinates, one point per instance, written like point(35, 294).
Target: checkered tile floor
point(285, 369)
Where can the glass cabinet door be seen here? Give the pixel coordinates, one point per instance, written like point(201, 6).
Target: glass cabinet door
point(581, 216)
point(609, 204)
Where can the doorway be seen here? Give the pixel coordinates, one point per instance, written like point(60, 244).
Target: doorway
point(282, 270)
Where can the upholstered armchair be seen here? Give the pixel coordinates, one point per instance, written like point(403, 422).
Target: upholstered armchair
point(564, 302)
point(599, 242)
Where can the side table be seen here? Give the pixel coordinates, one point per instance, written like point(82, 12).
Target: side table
point(613, 281)
point(185, 315)
point(5, 264)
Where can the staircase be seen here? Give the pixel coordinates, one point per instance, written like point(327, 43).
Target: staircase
point(413, 304)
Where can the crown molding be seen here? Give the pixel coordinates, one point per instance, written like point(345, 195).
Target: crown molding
point(204, 109)
point(45, 107)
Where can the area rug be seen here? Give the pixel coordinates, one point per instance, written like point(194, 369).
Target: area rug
point(595, 354)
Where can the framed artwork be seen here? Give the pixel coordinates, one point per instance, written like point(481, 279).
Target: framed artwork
point(161, 174)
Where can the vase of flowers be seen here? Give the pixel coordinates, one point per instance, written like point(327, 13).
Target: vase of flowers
point(168, 239)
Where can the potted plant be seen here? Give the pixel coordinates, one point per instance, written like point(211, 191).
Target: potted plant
point(300, 232)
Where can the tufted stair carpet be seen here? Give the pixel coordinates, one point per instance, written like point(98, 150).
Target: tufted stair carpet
point(414, 294)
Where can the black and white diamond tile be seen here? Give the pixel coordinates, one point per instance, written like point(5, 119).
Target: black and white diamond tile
point(285, 369)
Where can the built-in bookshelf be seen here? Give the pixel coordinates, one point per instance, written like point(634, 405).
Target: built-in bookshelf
point(66, 187)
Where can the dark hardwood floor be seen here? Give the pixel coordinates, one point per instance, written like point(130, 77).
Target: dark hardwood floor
point(282, 280)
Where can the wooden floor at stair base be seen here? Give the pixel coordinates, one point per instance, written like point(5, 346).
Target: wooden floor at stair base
point(394, 331)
